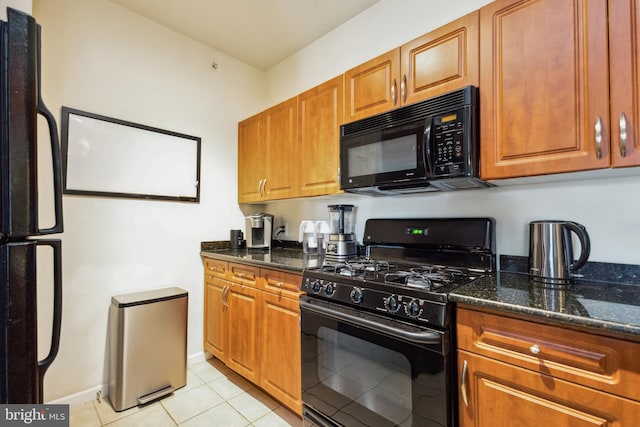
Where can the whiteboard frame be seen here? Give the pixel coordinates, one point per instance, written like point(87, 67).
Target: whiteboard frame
point(102, 141)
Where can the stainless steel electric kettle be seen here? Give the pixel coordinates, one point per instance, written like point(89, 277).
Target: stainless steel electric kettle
point(551, 250)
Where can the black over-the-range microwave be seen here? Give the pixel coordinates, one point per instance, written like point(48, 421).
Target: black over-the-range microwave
point(431, 145)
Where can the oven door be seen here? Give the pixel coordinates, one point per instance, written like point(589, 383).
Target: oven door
point(360, 369)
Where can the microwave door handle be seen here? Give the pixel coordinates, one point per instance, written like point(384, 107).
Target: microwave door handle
point(427, 145)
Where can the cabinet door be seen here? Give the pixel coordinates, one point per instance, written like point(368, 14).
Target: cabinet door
point(543, 87)
point(280, 350)
point(215, 317)
point(443, 60)
point(372, 87)
point(624, 46)
point(251, 161)
point(242, 340)
point(501, 395)
point(319, 119)
point(281, 140)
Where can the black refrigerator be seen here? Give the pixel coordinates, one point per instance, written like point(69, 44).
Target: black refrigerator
point(21, 373)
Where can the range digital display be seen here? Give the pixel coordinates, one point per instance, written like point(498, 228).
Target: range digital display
point(417, 231)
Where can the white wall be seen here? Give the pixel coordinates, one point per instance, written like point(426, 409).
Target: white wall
point(23, 5)
point(101, 58)
point(384, 26)
point(607, 207)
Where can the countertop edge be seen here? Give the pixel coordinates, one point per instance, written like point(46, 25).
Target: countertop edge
point(597, 326)
point(296, 264)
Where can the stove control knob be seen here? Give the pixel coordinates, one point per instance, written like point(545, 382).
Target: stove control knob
point(316, 286)
point(356, 295)
point(392, 304)
point(330, 289)
point(413, 308)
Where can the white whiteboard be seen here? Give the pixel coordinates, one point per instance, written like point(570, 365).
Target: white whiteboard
point(108, 157)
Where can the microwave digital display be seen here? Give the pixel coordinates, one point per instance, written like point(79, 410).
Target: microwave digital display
point(449, 118)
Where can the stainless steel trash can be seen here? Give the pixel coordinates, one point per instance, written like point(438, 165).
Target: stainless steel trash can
point(148, 346)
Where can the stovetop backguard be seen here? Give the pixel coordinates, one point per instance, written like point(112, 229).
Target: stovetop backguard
point(461, 242)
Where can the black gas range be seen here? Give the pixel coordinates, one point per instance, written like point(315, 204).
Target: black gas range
point(386, 316)
point(409, 268)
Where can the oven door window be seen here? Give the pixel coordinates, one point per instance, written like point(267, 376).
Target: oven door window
point(360, 377)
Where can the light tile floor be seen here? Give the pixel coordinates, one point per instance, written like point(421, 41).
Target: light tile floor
point(214, 396)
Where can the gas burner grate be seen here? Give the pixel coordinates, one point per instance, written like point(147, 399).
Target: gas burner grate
point(358, 267)
point(427, 277)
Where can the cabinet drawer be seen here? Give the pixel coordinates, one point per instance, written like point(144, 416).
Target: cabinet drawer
point(604, 363)
point(215, 267)
point(280, 282)
point(495, 393)
point(243, 273)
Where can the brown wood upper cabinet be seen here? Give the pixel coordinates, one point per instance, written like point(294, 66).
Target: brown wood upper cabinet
point(292, 149)
point(546, 68)
point(267, 154)
point(319, 119)
point(440, 61)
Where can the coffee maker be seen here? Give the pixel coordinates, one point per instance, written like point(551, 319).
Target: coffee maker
point(259, 228)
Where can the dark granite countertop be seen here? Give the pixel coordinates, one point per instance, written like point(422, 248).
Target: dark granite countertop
point(291, 259)
point(601, 306)
point(610, 308)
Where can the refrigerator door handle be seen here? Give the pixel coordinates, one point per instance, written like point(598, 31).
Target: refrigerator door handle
point(55, 148)
point(44, 364)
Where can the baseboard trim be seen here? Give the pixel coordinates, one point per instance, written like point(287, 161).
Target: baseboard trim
point(92, 393)
point(84, 396)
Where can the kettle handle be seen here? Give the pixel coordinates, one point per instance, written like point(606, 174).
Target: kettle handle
point(585, 244)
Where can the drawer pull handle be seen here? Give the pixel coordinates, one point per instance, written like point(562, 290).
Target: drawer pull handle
point(279, 284)
point(534, 349)
point(463, 384)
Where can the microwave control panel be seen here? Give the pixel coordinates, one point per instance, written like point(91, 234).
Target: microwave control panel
point(449, 148)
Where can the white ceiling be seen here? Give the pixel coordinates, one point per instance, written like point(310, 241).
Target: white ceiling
point(260, 33)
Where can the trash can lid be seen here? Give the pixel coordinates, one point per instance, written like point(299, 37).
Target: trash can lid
point(147, 297)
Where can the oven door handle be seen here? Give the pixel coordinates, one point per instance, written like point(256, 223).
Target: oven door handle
point(424, 337)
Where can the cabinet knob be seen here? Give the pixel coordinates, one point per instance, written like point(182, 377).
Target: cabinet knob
point(534, 349)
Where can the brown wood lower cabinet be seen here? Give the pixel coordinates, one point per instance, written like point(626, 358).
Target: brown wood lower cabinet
point(499, 394)
point(243, 331)
point(280, 349)
point(251, 323)
point(514, 372)
point(215, 321)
